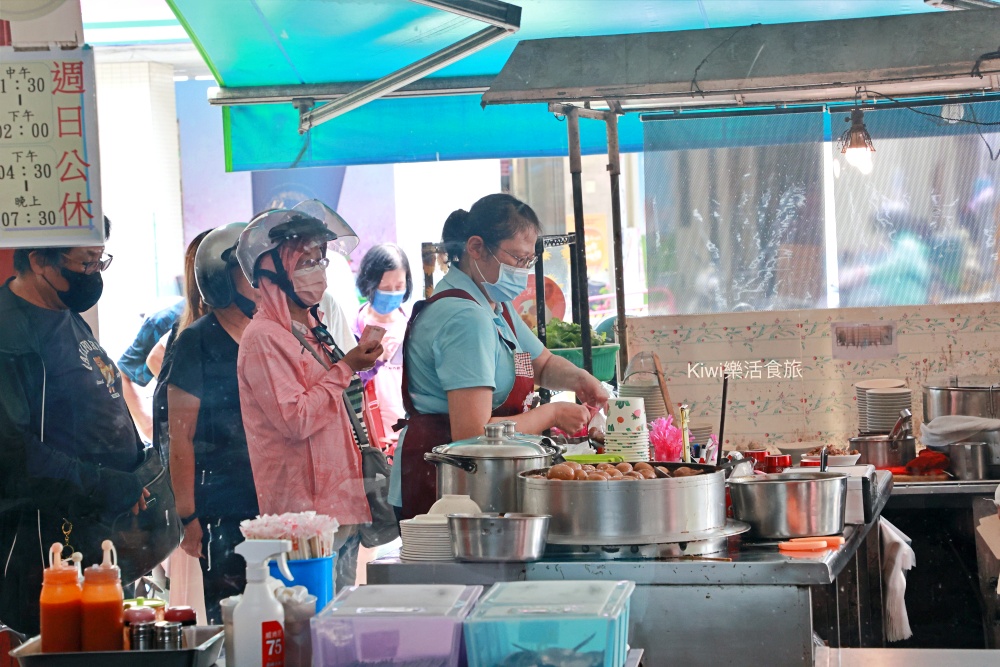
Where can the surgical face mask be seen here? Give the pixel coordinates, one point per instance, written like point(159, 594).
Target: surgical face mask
point(309, 284)
point(386, 302)
point(510, 283)
point(84, 289)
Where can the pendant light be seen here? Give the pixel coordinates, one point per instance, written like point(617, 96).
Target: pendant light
point(856, 143)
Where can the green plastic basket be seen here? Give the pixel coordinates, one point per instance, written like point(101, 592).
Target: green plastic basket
point(605, 358)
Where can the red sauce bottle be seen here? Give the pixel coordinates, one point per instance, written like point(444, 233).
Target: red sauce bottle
point(103, 605)
point(60, 605)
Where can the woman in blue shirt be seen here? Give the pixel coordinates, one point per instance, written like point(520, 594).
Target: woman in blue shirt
point(468, 357)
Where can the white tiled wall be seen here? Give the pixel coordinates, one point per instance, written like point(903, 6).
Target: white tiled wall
point(934, 342)
point(141, 190)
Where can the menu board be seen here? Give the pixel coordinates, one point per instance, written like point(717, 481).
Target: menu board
point(49, 167)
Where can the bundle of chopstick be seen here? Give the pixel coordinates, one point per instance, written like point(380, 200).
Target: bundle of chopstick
point(312, 535)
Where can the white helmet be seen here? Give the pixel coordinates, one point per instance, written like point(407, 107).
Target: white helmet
point(310, 220)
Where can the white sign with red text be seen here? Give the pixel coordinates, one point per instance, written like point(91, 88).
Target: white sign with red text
point(49, 166)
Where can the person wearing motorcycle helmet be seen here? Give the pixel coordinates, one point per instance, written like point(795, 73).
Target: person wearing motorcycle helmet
point(209, 461)
point(294, 377)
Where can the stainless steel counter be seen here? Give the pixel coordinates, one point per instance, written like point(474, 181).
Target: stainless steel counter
point(677, 601)
point(751, 564)
point(978, 487)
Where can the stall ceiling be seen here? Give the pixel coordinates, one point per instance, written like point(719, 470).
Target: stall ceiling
point(278, 43)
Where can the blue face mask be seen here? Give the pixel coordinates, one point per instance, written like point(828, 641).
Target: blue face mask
point(386, 302)
point(510, 283)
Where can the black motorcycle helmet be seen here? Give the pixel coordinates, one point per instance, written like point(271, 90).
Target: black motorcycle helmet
point(215, 258)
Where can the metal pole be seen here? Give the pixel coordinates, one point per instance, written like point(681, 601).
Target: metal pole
point(543, 393)
point(582, 294)
point(615, 169)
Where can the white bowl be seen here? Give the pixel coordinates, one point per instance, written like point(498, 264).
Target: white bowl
point(845, 460)
point(455, 504)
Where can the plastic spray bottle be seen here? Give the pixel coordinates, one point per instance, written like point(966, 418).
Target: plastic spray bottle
point(60, 604)
point(103, 604)
point(259, 619)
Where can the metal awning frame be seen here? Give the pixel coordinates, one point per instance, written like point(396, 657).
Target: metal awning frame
point(504, 19)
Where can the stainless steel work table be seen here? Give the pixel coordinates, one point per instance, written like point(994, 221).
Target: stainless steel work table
point(765, 604)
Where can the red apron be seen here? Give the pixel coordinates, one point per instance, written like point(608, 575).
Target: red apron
point(424, 432)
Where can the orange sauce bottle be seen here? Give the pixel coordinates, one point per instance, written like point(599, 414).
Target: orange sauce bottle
point(60, 605)
point(103, 605)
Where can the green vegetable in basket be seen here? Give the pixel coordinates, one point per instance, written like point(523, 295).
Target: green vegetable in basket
point(560, 335)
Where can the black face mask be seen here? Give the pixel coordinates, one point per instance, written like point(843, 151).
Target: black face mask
point(84, 289)
point(246, 306)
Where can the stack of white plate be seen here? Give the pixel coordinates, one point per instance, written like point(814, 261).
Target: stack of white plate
point(638, 387)
point(884, 406)
point(426, 537)
point(861, 391)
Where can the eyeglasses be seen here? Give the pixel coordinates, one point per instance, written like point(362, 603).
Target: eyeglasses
point(520, 262)
point(93, 267)
point(310, 263)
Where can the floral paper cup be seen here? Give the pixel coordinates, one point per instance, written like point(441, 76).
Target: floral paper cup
point(626, 415)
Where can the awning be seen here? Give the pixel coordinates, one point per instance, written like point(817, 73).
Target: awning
point(345, 43)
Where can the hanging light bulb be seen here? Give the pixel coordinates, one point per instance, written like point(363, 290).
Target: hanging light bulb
point(856, 143)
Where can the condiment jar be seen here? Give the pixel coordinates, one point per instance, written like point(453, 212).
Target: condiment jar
point(774, 463)
point(156, 604)
point(182, 614)
point(103, 604)
point(134, 615)
point(168, 635)
point(60, 605)
point(141, 636)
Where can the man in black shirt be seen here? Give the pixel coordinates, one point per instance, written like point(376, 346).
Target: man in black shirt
point(67, 441)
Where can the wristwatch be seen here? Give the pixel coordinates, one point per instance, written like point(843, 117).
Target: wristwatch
point(185, 520)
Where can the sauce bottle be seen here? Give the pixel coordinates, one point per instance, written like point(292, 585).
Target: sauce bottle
point(60, 604)
point(103, 604)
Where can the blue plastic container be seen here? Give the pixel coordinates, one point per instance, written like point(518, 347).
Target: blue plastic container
point(521, 621)
point(316, 574)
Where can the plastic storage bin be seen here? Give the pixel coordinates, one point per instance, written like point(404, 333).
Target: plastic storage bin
point(583, 623)
point(398, 625)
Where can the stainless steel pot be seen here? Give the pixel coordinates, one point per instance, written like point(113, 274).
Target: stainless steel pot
point(882, 452)
point(969, 460)
point(796, 504)
point(486, 468)
point(970, 396)
point(512, 537)
point(649, 511)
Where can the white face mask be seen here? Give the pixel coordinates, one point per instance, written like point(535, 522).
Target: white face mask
point(310, 284)
point(509, 285)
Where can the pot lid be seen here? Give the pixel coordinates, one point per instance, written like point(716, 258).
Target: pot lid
point(494, 445)
point(964, 382)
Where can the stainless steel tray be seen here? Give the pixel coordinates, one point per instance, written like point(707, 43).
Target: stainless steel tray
point(205, 642)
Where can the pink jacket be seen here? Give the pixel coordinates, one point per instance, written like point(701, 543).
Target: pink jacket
point(298, 432)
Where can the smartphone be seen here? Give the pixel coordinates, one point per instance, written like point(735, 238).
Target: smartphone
point(371, 334)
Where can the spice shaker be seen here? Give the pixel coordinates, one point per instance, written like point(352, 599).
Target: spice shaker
point(141, 635)
point(168, 635)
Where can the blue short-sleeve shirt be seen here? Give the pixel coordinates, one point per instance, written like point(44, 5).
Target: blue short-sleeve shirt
point(455, 344)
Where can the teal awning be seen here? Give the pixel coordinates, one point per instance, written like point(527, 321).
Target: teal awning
point(279, 43)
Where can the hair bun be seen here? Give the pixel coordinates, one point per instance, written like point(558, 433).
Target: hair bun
point(455, 233)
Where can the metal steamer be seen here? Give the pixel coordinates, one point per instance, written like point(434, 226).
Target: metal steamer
point(653, 518)
point(486, 468)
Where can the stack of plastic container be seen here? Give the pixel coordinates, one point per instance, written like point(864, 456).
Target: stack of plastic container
point(398, 625)
point(581, 623)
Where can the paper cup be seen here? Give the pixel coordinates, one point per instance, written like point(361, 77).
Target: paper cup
point(626, 415)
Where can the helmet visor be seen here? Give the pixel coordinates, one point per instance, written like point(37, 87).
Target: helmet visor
point(345, 240)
